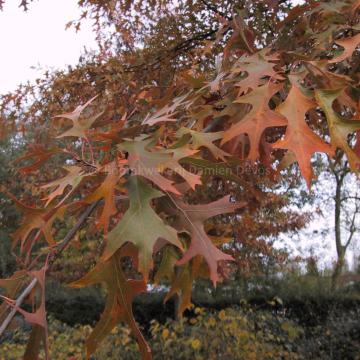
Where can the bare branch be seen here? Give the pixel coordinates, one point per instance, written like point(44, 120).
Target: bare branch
point(214, 9)
point(352, 228)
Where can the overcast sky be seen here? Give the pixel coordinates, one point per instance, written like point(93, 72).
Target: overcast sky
point(38, 37)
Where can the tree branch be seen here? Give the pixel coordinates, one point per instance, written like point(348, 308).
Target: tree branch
point(174, 51)
point(352, 228)
point(61, 247)
point(214, 9)
point(350, 198)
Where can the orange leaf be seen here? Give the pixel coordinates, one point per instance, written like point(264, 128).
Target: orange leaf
point(257, 119)
point(35, 218)
point(299, 138)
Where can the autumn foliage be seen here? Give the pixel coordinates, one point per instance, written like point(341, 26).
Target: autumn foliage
point(164, 161)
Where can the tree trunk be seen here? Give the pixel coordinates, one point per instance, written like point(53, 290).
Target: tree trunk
point(337, 272)
point(340, 249)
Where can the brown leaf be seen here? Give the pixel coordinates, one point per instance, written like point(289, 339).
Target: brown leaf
point(182, 283)
point(72, 180)
point(35, 218)
point(202, 139)
point(40, 155)
point(167, 113)
point(349, 45)
point(339, 128)
point(11, 286)
point(79, 127)
point(118, 307)
point(257, 67)
point(107, 191)
point(37, 319)
point(149, 162)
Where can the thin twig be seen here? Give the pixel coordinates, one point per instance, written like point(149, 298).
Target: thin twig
point(18, 302)
point(212, 125)
point(60, 248)
point(75, 228)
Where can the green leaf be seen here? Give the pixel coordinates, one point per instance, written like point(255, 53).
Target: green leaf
point(141, 226)
point(339, 128)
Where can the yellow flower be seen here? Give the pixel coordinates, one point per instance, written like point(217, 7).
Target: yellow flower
point(115, 330)
point(222, 315)
point(198, 310)
point(165, 334)
point(212, 321)
point(125, 340)
point(243, 334)
point(195, 344)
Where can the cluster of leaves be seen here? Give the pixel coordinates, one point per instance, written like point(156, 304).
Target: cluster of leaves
point(149, 159)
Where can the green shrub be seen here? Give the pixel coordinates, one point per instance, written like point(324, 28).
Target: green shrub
point(233, 333)
point(227, 334)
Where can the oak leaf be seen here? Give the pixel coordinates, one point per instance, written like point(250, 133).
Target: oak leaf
point(179, 154)
point(339, 128)
point(40, 155)
point(10, 287)
point(257, 67)
point(169, 258)
point(191, 218)
point(259, 118)
point(37, 319)
point(107, 191)
point(35, 219)
point(349, 45)
point(72, 180)
point(299, 138)
point(202, 139)
point(80, 126)
point(168, 112)
point(149, 162)
point(118, 307)
point(182, 283)
point(141, 226)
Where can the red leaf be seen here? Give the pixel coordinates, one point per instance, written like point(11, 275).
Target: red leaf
point(192, 219)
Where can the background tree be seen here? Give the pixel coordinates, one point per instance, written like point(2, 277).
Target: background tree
point(336, 190)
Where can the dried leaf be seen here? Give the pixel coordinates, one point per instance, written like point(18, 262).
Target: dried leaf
point(118, 307)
